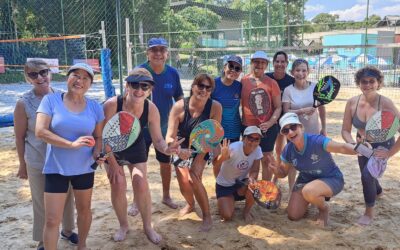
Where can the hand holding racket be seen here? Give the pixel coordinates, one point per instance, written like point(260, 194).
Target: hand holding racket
point(119, 133)
point(382, 126)
point(260, 105)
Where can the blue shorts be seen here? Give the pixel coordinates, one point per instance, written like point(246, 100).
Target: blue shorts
point(336, 183)
point(56, 183)
point(222, 191)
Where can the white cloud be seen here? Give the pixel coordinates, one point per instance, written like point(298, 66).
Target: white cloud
point(388, 10)
point(314, 8)
point(355, 13)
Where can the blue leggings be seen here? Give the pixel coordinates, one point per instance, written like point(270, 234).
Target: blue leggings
point(371, 186)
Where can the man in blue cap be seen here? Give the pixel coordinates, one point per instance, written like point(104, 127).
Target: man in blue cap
point(167, 89)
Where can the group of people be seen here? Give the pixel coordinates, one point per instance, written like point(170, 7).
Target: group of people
point(58, 138)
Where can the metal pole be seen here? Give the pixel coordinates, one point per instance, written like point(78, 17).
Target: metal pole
point(119, 43)
point(268, 3)
point(134, 31)
point(63, 27)
point(169, 36)
point(103, 35)
point(128, 47)
point(366, 33)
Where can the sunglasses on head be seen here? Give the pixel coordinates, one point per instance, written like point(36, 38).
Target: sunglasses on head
point(253, 139)
point(202, 86)
point(35, 75)
point(232, 67)
point(143, 85)
point(292, 127)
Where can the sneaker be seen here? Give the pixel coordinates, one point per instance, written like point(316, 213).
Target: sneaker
point(73, 239)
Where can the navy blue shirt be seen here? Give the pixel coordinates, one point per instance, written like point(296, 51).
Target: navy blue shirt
point(313, 162)
point(229, 97)
point(284, 82)
point(167, 88)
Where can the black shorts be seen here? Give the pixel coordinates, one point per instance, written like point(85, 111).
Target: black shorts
point(56, 183)
point(222, 191)
point(163, 158)
point(134, 154)
point(268, 140)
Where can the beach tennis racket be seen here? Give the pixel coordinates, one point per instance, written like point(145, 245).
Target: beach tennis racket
point(325, 91)
point(120, 132)
point(382, 126)
point(260, 104)
point(206, 136)
point(266, 194)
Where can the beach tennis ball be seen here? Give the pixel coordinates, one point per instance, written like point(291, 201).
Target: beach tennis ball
point(91, 142)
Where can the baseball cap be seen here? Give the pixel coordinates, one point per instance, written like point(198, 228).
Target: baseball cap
point(157, 41)
point(260, 55)
point(82, 66)
point(252, 130)
point(236, 59)
point(288, 118)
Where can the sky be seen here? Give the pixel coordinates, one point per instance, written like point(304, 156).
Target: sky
point(352, 10)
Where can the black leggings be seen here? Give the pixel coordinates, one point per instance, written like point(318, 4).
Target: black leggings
point(371, 186)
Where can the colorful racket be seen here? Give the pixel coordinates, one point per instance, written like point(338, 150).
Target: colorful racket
point(206, 136)
point(266, 194)
point(382, 126)
point(260, 104)
point(120, 132)
point(325, 90)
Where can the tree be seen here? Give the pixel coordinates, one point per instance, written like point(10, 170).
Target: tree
point(324, 21)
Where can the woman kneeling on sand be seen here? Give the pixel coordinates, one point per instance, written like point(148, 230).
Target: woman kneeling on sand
point(319, 176)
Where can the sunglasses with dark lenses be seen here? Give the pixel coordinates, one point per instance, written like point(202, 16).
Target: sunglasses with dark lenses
point(234, 68)
point(253, 139)
point(136, 85)
point(35, 75)
point(156, 49)
point(292, 127)
point(202, 86)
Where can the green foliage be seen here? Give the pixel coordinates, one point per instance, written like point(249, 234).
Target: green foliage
point(200, 17)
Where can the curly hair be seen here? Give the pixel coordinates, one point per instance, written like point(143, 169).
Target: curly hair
point(369, 71)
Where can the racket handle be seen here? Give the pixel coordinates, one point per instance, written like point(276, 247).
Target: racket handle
point(95, 165)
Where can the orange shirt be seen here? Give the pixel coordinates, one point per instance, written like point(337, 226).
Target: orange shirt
point(269, 85)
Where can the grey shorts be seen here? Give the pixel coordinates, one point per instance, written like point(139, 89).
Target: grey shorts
point(336, 183)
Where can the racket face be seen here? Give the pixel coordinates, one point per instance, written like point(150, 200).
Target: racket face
point(266, 194)
point(121, 131)
point(382, 126)
point(259, 103)
point(326, 90)
point(206, 136)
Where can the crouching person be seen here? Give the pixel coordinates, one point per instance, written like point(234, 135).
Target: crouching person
point(236, 166)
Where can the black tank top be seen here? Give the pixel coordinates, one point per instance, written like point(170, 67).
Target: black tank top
point(187, 125)
point(137, 151)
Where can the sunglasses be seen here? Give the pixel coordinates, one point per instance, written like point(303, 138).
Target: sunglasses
point(35, 75)
point(253, 139)
point(136, 85)
point(292, 127)
point(158, 49)
point(232, 67)
point(202, 86)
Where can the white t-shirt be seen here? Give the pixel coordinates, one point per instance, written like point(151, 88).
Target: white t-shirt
point(303, 98)
point(238, 166)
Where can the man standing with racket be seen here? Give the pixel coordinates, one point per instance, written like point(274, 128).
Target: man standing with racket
point(167, 90)
point(261, 106)
point(237, 162)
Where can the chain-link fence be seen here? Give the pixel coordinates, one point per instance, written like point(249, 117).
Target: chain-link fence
point(201, 33)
